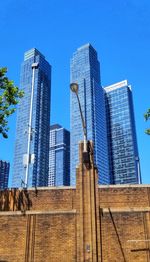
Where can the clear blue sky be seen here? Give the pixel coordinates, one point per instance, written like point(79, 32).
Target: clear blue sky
point(118, 29)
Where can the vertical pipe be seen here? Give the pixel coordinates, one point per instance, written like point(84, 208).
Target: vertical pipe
point(139, 172)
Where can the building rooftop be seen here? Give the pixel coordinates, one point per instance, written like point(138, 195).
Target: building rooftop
point(32, 52)
point(55, 126)
point(116, 86)
point(88, 45)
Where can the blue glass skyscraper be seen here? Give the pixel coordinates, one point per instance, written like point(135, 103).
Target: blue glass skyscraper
point(4, 174)
point(59, 156)
point(123, 150)
point(31, 158)
point(85, 70)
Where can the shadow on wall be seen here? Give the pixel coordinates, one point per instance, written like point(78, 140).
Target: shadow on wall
point(15, 200)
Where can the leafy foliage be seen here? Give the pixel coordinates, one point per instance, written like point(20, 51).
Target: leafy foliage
point(9, 98)
point(147, 117)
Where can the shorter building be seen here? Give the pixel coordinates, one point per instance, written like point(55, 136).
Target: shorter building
point(4, 174)
point(59, 156)
point(122, 141)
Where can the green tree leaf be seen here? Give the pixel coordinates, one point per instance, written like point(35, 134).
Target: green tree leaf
point(9, 98)
point(147, 117)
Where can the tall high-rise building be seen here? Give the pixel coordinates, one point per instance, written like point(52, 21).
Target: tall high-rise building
point(4, 174)
point(123, 150)
point(31, 158)
point(85, 70)
point(59, 156)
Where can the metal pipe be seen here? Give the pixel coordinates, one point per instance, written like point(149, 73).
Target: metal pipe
point(139, 171)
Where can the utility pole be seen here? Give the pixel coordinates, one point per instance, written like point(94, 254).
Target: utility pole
point(74, 88)
point(27, 157)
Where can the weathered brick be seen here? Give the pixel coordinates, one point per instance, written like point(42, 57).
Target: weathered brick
point(66, 224)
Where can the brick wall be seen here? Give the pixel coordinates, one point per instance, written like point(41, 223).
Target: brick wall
point(124, 196)
point(125, 223)
point(43, 226)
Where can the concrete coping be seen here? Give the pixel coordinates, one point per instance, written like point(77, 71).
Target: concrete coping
point(42, 188)
point(74, 187)
point(124, 210)
point(124, 185)
point(38, 212)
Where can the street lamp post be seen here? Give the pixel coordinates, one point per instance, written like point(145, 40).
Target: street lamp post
point(74, 88)
point(30, 130)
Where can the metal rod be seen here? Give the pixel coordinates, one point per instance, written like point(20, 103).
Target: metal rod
point(85, 144)
point(139, 172)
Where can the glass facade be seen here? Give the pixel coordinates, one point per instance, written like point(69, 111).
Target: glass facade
point(85, 70)
point(4, 174)
point(123, 151)
point(59, 156)
point(39, 137)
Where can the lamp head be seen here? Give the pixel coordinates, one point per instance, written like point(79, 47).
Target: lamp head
point(74, 87)
point(35, 65)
